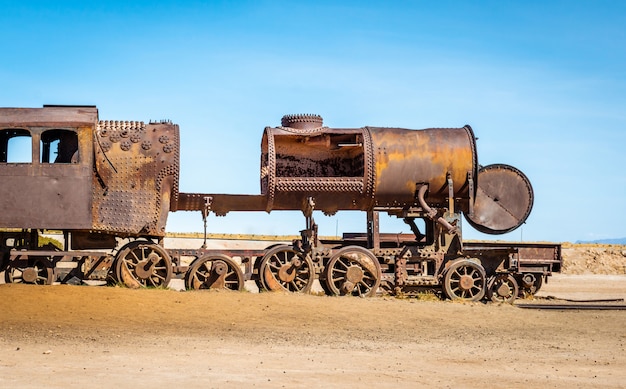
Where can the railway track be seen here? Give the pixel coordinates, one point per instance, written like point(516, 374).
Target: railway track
point(565, 304)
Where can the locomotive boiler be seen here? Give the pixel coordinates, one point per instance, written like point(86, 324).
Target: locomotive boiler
point(109, 186)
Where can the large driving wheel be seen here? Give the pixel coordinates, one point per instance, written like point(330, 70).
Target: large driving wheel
point(142, 263)
point(502, 288)
point(214, 272)
point(353, 270)
point(464, 280)
point(36, 271)
point(283, 268)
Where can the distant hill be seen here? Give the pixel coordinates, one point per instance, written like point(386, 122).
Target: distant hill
point(605, 241)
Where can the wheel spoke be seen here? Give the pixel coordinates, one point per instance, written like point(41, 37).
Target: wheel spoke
point(282, 259)
point(275, 267)
point(345, 263)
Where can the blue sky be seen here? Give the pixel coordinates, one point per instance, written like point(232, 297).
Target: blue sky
point(542, 83)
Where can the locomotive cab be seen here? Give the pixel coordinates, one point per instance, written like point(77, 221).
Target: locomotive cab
point(46, 159)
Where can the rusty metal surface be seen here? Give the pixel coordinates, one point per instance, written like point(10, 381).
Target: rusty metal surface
point(49, 116)
point(316, 161)
point(136, 176)
point(405, 159)
point(504, 199)
point(45, 192)
point(528, 255)
point(368, 166)
point(221, 204)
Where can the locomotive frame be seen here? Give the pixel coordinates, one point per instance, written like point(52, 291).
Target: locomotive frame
point(111, 185)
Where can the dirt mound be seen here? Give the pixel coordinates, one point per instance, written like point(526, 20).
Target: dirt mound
point(594, 259)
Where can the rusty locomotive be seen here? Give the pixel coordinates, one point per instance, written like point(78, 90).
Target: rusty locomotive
point(109, 186)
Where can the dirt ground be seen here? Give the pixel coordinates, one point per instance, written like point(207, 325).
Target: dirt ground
point(79, 336)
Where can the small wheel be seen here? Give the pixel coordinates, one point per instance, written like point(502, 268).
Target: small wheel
point(283, 268)
point(530, 283)
point(37, 271)
point(464, 280)
point(502, 288)
point(142, 264)
point(538, 284)
point(214, 272)
point(353, 270)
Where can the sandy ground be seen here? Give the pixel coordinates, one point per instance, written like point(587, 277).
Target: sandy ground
point(78, 336)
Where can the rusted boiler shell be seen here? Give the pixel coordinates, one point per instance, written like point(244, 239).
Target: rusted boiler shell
point(364, 168)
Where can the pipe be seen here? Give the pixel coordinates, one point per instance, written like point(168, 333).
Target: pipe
point(432, 213)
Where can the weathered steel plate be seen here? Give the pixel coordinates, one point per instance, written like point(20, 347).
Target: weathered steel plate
point(504, 199)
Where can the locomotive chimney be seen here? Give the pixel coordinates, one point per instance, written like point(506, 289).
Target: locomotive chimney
point(302, 121)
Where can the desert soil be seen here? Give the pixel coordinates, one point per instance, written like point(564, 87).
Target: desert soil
point(79, 336)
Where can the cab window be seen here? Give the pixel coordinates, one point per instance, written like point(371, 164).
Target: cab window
point(59, 146)
point(15, 146)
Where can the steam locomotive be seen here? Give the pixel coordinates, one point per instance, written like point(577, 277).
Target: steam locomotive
point(109, 186)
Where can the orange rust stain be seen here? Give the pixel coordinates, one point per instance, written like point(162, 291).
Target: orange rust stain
point(419, 157)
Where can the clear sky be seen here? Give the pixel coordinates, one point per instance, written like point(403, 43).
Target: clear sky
point(542, 83)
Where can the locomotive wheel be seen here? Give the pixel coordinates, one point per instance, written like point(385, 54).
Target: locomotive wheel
point(464, 280)
point(502, 288)
point(530, 284)
point(141, 264)
point(214, 272)
point(353, 270)
point(537, 285)
point(36, 271)
point(282, 268)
